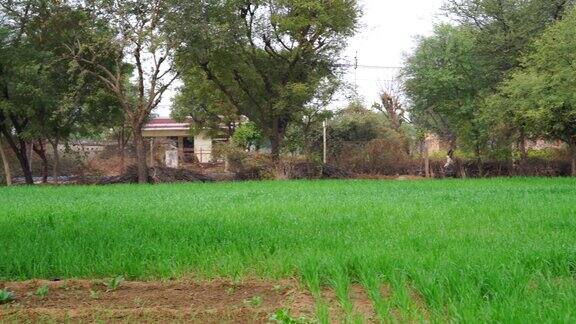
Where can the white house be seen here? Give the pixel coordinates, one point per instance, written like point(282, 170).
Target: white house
point(191, 149)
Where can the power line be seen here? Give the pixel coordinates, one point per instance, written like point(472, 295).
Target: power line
point(379, 67)
point(356, 66)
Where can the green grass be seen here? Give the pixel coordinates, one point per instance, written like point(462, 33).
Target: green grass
point(477, 250)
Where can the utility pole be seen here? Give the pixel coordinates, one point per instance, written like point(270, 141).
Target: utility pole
point(325, 140)
point(356, 74)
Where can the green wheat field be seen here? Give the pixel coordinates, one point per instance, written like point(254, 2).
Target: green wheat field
point(497, 250)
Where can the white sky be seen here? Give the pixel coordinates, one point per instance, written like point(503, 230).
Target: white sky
point(387, 32)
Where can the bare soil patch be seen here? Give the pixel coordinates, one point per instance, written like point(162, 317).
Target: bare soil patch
point(217, 301)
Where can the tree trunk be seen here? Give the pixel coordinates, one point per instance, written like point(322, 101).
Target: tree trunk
point(22, 155)
point(56, 167)
point(523, 152)
point(141, 158)
point(40, 150)
point(276, 140)
point(275, 148)
point(21, 151)
point(479, 163)
point(426, 155)
point(122, 145)
point(572, 150)
point(7, 172)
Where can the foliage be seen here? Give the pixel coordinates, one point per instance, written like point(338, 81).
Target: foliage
point(254, 301)
point(356, 123)
point(135, 37)
point(444, 79)
point(267, 60)
point(540, 94)
point(282, 316)
point(43, 99)
point(452, 79)
point(505, 28)
point(6, 296)
point(247, 135)
point(114, 283)
point(42, 291)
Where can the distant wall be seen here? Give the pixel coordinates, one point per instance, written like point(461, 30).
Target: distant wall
point(203, 147)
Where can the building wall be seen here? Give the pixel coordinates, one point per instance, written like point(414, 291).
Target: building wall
point(203, 147)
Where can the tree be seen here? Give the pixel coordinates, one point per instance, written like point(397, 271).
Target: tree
point(135, 37)
point(44, 99)
point(18, 79)
point(443, 81)
point(503, 31)
point(543, 88)
point(266, 58)
point(246, 135)
point(505, 28)
point(197, 100)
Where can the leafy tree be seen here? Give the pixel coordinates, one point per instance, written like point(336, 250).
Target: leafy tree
point(207, 108)
point(504, 28)
point(18, 79)
point(267, 59)
point(135, 36)
point(543, 90)
point(43, 100)
point(503, 31)
point(246, 135)
point(444, 80)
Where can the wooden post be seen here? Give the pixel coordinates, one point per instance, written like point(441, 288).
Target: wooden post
point(181, 150)
point(426, 158)
point(152, 159)
point(4, 158)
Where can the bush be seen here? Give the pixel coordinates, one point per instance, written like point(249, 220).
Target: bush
point(244, 165)
point(378, 156)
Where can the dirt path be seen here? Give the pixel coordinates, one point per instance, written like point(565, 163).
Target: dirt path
point(250, 301)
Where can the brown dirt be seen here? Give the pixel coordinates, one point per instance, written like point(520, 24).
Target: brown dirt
point(217, 301)
point(171, 301)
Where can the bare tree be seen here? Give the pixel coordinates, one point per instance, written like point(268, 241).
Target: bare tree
point(391, 105)
point(136, 38)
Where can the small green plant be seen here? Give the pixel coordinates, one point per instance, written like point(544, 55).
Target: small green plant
point(282, 316)
point(6, 296)
point(254, 301)
point(113, 283)
point(42, 291)
point(94, 294)
point(138, 302)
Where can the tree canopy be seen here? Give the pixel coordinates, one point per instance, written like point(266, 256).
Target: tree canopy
point(267, 59)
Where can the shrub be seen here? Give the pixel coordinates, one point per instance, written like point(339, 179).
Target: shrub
point(253, 166)
point(6, 296)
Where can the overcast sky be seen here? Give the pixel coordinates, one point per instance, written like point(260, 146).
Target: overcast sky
point(387, 32)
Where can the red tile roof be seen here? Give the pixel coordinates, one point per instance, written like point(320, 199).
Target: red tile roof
point(166, 123)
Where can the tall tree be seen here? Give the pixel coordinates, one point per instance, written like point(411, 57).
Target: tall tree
point(543, 89)
point(44, 100)
point(266, 58)
point(135, 37)
point(503, 31)
point(443, 80)
point(19, 78)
